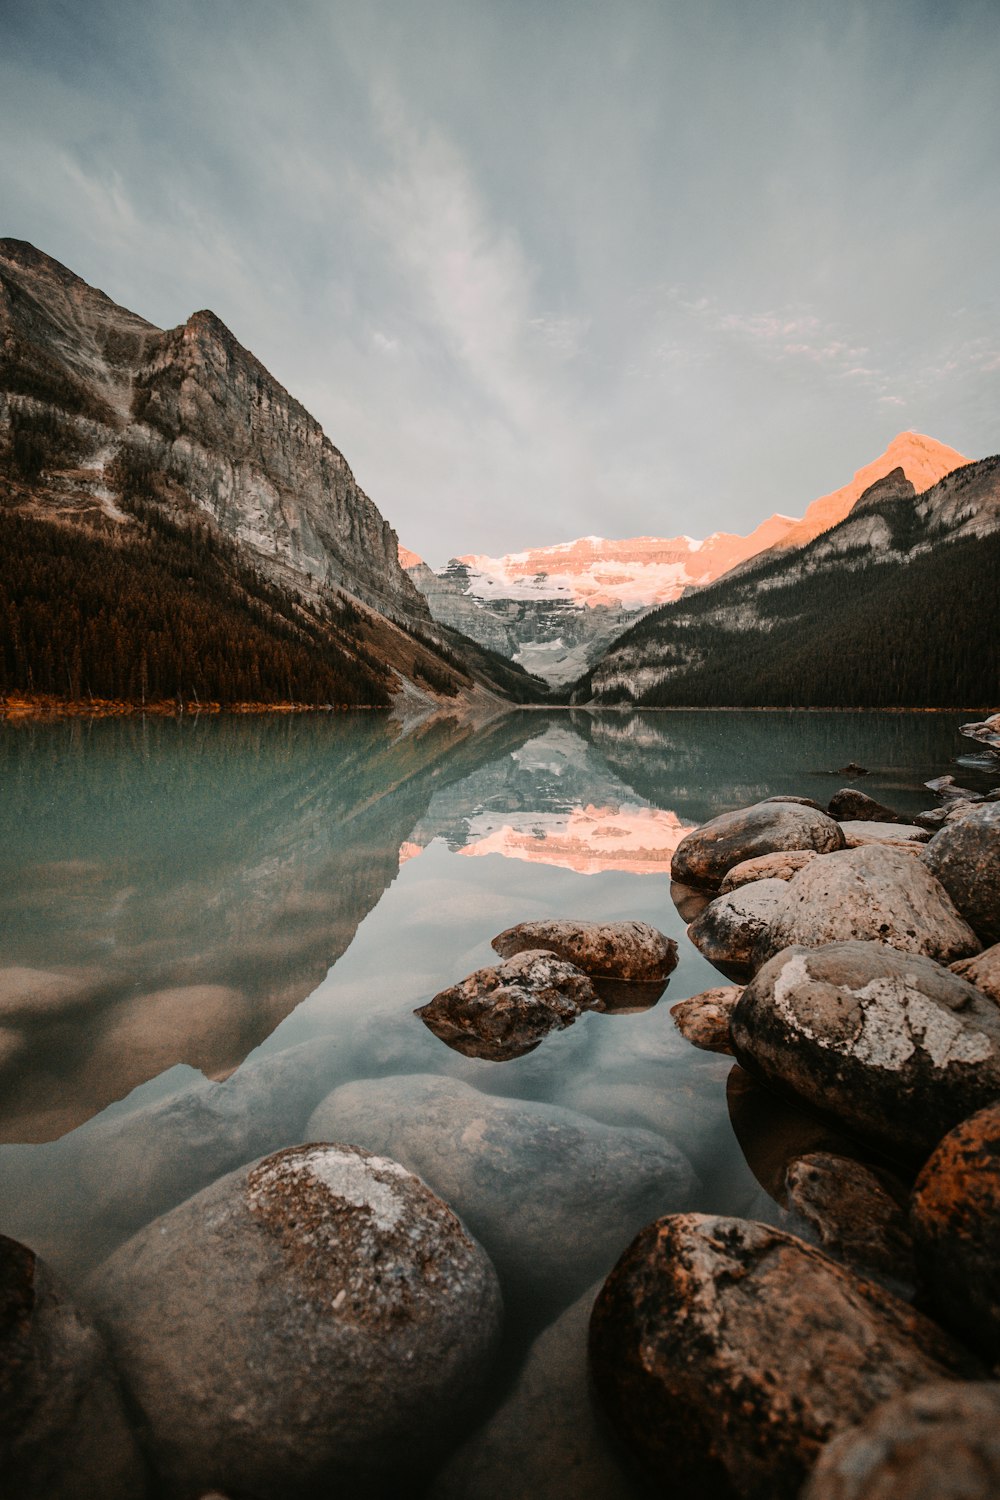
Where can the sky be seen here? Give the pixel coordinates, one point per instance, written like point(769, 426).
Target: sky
point(544, 268)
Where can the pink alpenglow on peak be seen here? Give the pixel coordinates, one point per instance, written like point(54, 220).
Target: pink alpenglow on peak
point(408, 559)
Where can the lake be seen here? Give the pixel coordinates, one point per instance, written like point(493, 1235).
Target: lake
point(207, 925)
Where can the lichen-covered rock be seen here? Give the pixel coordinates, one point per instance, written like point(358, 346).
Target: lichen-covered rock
point(983, 970)
point(64, 1434)
point(735, 931)
point(874, 893)
point(505, 1011)
point(726, 1353)
point(956, 1222)
point(633, 951)
point(895, 835)
point(704, 1019)
point(704, 856)
point(551, 1194)
point(849, 805)
point(318, 1318)
point(780, 866)
point(938, 1442)
point(857, 1216)
point(545, 1440)
point(897, 1047)
point(965, 857)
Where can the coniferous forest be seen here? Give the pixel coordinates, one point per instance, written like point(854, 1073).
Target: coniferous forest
point(171, 613)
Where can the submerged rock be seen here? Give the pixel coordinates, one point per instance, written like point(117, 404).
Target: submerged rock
point(545, 1440)
point(64, 1434)
point(551, 1194)
point(965, 857)
point(780, 866)
point(849, 805)
point(956, 1221)
point(897, 1047)
point(507, 1010)
point(775, 1131)
point(704, 856)
point(632, 951)
point(318, 1318)
point(726, 1353)
point(704, 1019)
point(855, 1218)
point(983, 971)
point(938, 1442)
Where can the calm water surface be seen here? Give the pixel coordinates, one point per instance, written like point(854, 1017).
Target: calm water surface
point(185, 904)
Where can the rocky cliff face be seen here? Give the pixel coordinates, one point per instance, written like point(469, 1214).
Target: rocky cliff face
point(194, 404)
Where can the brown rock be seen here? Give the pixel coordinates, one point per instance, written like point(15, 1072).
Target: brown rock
point(857, 1216)
point(633, 951)
point(505, 1011)
point(317, 1320)
point(965, 858)
point(726, 1353)
point(704, 1019)
point(892, 1044)
point(983, 971)
point(774, 1131)
point(736, 931)
point(688, 899)
point(849, 805)
point(704, 856)
point(895, 835)
point(938, 1442)
point(64, 1434)
point(780, 866)
point(802, 801)
point(956, 1223)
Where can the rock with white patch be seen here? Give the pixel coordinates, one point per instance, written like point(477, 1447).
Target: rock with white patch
point(704, 856)
point(64, 1434)
point(551, 1194)
point(897, 1047)
point(965, 858)
point(631, 951)
point(315, 1322)
point(506, 1010)
point(938, 1442)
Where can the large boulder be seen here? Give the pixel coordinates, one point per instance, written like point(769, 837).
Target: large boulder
point(982, 970)
point(726, 1353)
point(872, 893)
point(703, 856)
point(316, 1320)
point(897, 1047)
point(552, 1195)
point(938, 1442)
point(544, 1441)
point(965, 857)
point(956, 1221)
point(506, 1010)
point(64, 1434)
point(632, 951)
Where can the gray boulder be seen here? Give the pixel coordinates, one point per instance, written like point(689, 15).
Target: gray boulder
point(632, 951)
point(316, 1320)
point(736, 931)
point(506, 1010)
point(892, 1044)
point(704, 856)
point(552, 1195)
point(965, 857)
point(726, 1353)
point(938, 1442)
point(64, 1434)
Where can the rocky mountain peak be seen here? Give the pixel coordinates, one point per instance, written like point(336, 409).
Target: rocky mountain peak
point(892, 486)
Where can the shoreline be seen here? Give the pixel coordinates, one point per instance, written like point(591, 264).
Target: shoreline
point(40, 708)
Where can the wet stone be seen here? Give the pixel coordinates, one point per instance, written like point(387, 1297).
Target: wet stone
point(703, 1348)
point(631, 951)
point(704, 856)
point(704, 1019)
point(849, 805)
point(780, 866)
point(857, 1215)
point(505, 1011)
point(317, 1318)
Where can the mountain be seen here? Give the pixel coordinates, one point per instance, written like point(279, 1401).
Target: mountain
point(556, 609)
point(188, 496)
point(893, 606)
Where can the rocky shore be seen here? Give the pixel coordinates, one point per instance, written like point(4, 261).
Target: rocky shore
point(316, 1302)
